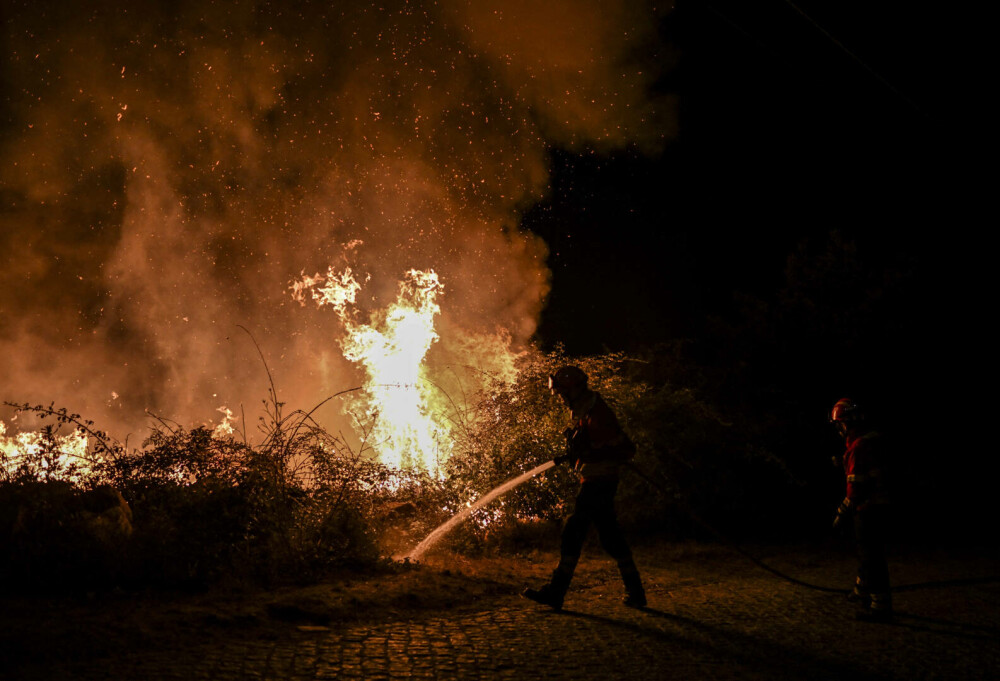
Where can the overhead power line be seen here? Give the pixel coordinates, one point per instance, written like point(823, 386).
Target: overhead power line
point(843, 48)
point(829, 36)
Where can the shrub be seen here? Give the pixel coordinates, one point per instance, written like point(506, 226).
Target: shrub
point(696, 467)
point(207, 507)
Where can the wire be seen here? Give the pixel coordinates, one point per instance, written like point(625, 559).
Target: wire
point(829, 36)
point(855, 57)
point(739, 29)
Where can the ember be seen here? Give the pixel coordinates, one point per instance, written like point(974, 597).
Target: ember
point(164, 187)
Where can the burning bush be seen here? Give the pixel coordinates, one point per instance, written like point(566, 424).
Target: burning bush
point(206, 506)
point(210, 505)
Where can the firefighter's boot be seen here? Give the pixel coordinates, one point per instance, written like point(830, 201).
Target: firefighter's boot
point(878, 609)
point(551, 594)
point(860, 595)
point(635, 595)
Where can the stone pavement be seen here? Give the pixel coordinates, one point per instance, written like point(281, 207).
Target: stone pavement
point(724, 620)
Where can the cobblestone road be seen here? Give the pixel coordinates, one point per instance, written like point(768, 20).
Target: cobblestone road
point(738, 623)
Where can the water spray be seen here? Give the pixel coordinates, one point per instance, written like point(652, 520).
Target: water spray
point(445, 527)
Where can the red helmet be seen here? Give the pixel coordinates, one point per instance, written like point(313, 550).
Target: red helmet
point(846, 411)
point(568, 379)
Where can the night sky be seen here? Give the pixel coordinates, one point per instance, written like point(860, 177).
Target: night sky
point(852, 120)
point(784, 134)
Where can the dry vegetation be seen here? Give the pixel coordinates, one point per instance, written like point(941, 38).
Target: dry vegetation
point(191, 509)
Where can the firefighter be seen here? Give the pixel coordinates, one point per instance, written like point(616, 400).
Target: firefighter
point(597, 446)
point(866, 506)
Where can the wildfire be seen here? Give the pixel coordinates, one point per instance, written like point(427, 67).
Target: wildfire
point(225, 427)
point(407, 430)
point(45, 454)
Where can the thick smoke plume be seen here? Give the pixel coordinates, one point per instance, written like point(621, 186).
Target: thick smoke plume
point(170, 168)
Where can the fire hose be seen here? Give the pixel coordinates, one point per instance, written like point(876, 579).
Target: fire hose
point(662, 487)
point(723, 539)
point(416, 553)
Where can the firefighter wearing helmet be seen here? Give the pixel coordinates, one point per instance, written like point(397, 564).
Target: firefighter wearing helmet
point(866, 505)
point(596, 446)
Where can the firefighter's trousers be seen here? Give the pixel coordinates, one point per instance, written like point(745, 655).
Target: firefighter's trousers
point(595, 504)
point(870, 530)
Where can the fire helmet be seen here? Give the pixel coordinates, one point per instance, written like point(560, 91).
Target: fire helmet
point(846, 411)
point(568, 379)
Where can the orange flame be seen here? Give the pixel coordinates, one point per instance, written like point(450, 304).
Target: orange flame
point(407, 431)
point(25, 448)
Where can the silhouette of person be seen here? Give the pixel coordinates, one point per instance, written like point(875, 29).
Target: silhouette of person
point(597, 447)
point(866, 504)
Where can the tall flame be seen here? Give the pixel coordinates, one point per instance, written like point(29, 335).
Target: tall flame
point(406, 431)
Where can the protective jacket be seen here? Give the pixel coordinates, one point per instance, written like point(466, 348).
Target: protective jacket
point(865, 468)
point(597, 444)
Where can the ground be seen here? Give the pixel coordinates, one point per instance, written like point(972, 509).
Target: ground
point(712, 614)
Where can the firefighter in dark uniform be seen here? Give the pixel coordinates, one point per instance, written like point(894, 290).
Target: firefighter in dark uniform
point(597, 447)
point(865, 504)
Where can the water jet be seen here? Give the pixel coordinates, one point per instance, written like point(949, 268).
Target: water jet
point(446, 526)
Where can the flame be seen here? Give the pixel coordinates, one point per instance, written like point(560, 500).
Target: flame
point(27, 448)
point(225, 427)
point(68, 457)
point(406, 430)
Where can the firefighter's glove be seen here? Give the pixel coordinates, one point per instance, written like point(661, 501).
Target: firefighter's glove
point(567, 456)
point(843, 513)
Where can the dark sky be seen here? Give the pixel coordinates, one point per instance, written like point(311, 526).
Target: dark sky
point(790, 126)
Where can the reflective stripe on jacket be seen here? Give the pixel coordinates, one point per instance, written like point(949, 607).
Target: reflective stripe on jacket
point(865, 468)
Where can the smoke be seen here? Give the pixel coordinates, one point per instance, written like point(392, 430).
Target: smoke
point(168, 172)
